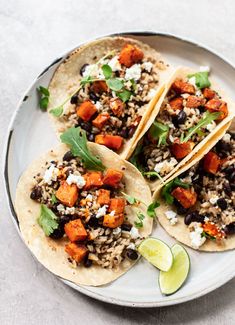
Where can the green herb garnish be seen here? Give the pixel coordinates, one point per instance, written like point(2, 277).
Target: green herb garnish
point(205, 234)
point(159, 131)
point(167, 189)
point(130, 199)
point(205, 120)
point(115, 84)
point(76, 139)
point(151, 209)
point(44, 97)
point(201, 79)
point(107, 71)
point(153, 174)
point(140, 216)
point(124, 95)
point(53, 199)
point(135, 156)
point(47, 220)
point(57, 111)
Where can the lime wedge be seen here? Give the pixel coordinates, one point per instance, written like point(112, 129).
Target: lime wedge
point(173, 279)
point(157, 253)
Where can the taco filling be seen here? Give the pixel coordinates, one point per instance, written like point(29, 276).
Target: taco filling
point(189, 112)
point(204, 195)
point(113, 95)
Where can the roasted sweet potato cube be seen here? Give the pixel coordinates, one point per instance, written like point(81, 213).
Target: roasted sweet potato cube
point(182, 87)
point(181, 150)
point(67, 194)
point(186, 197)
point(75, 230)
point(76, 251)
point(213, 230)
point(208, 93)
point(111, 141)
point(93, 179)
point(86, 110)
point(112, 177)
point(194, 101)
point(117, 106)
point(103, 197)
point(211, 162)
point(217, 105)
point(130, 54)
point(101, 120)
point(113, 221)
point(99, 87)
point(176, 103)
point(117, 205)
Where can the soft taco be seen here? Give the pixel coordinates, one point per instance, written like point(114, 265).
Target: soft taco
point(197, 206)
point(107, 87)
point(76, 214)
point(191, 110)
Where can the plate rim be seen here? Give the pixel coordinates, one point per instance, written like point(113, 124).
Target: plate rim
point(6, 146)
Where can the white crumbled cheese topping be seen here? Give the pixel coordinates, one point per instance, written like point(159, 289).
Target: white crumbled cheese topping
point(210, 127)
point(185, 95)
point(171, 138)
point(172, 217)
point(133, 72)
point(89, 197)
point(131, 246)
point(227, 137)
point(151, 93)
point(192, 81)
point(196, 236)
point(165, 166)
point(101, 211)
point(214, 199)
point(51, 174)
point(117, 231)
point(198, 92)
point(112, 213)
point(60, 208)
point(98, 105)
point(204, 68)
point(76, 179)
point(134, 232)
point(70, 210)
point(93, 70)
point(147, 66)
point(206, 219)
point(114, 64)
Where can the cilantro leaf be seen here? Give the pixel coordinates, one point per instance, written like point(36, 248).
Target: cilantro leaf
point(205, 120)
point(135, 156)
point(107, 71)
point(167, 189)
point(86, 80)
point(153, 174)
point(124, 95)
point(53, 199)
point(140, 216)
point(131, 199)
point(57, 111)
point(47, 220)
point(151, 209)
point(114, 84)
point(44, 97)
point(44, 91)
point(76, 139)
point(159, 131)
point(201, 79)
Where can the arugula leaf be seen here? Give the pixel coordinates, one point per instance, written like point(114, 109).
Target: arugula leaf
point(205, 120)
point(151, 209)
point(115, 84)
point(159, 131)
point(131, 199)
point(135, 156)
point(44, 97)
point(124, 95)
point(53, 199)
point(107, 71)
point(140, 216)
point(167, 189)
point(201, 79)
point(76, 139)
point(44, 91)
point(57, 111)
point(47, 220)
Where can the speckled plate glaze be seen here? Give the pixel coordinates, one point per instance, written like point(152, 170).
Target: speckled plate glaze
point(30, 134)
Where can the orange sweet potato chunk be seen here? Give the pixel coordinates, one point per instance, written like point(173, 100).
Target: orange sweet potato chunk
point(181, 150)
point(75, 230)
point(184, 196)
point(112, 177)
point(93, 179)
point(211, 162)
point(101, 120)
point(117, 205)
point(67, 194)
point(113, 221)
point(103, 197)
point(76, 251)
point(130, 54)
point(111, 141)
point(86, 110)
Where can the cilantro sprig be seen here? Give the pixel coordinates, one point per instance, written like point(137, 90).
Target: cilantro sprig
point(47, 220)
point(151, 209)
point(159, 131)
point(44, 97)
point(131, 199)
point(167, 189)
point(201, 79)
point(76, 139)
point(141, 217)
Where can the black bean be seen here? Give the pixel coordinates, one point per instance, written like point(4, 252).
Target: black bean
point(223, 154)
point(222, 203)
point(64, 219)
point(93, 97)
point(181, 210)
point(86, 126)
point(227, 189)
point(131, 131)
point(228, 170)
point(232, 135)
point(36, 193)
point(223, 146)
point(87, 262)
point(230, 229)
point(126, 226)
point(68, 156)
point(74, 99)
point(58, 233)
point(193, 216)
point(93, 222)
point(232, 185)
point(69, 171)
point(124, 133)
point(91, 137)
point(131, 254)
point(83, 68)
point(180, 118)
point(231, 177)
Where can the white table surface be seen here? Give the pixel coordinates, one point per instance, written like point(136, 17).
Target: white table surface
point(32, 34)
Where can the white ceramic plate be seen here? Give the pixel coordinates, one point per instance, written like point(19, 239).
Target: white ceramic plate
point(31, 134)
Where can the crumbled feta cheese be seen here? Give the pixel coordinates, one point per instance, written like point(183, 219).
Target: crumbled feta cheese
point(210, 127)
point(89, 197)
point(196, 236)
point(147, 66)
point(206, 219)
point(134, 232)
point(76, 179)
point(198, 92)
point(192, 81)
point(185, 95)
point(173, 221)
point(114, 64)
point(227, 137)
point(51, 174)
point(214, 199)
point(112, 213)
point(60, 208)
point(151, 93)
point(172, 217)
point(70, 210)
point(133, 72)
point(117, 231)
point(91, 70)
point(98, 105)
point(204, 68)
point(165, 166)
point(131, 246)
point(102, 211)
